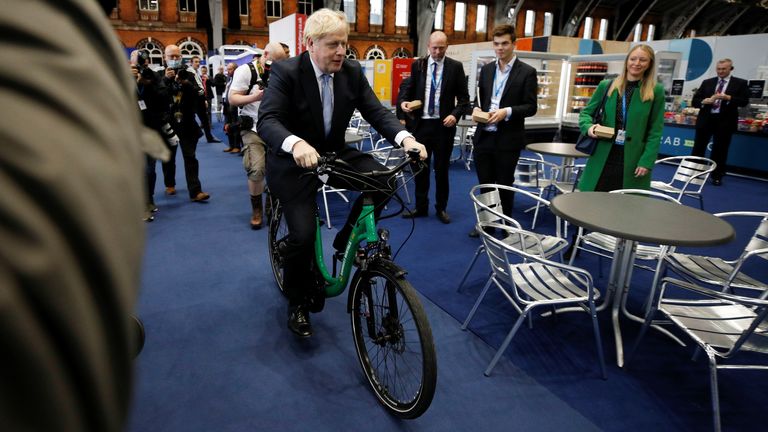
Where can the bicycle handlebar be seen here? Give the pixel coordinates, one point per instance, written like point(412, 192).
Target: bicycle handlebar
point(327, 163)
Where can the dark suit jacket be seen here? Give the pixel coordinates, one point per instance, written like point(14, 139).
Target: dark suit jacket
point(454, 97)
point(729, 112)
point(292, 106)
point(519, 93)
point(401, 93)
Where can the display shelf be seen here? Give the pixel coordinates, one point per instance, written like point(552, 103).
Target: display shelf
point(545, 71)
point(581, 97)
point(585, 86)
point(591, 73)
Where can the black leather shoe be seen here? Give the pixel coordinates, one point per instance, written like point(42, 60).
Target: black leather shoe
point(213, 139)
point(717, 182)
point(474, 233)
point(442, 215)
point(410, 214)
point(298, 322)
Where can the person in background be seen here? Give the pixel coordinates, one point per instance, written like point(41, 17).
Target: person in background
point(320, 81)
point(718, 100)
point(203, 110)
point(248, 86)
point(405, 119)
point(207, 92)
point(439, 82)
point(152, 104)
point(179, 83)
point(231, 122)
point(220, 83)
point(507, 89)
point(635, 109)
point(71, 235)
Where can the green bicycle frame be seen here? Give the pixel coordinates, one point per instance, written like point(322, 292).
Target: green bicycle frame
point(365, 229)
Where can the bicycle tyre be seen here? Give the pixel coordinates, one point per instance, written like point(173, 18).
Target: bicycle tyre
point(278, 231)
point(387, 347)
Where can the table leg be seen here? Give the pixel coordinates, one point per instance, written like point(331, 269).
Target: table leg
point(624, 255)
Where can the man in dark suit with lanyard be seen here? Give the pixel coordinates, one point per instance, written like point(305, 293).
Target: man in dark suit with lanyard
point(306, 111)
point(439, 82)
point(507, 90)
point(718, 100)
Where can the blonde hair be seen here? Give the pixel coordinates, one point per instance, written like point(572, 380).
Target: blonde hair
point(324, 22)
point(647, 82)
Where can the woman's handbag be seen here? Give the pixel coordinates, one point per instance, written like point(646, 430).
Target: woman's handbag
point(585, 143)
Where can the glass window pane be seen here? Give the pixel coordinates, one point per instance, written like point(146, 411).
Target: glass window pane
point(377, 17)
point(401, 13)
point(603, 29)
point(651, 31)
point(482, 19)
point(548, 19)
point(350, 11)
point(530, 21)
point(243, 7)
point(439, 15)
point(638, 32)
point(460, 19)
point(587, 28)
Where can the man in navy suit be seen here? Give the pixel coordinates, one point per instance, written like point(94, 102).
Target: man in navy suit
point(439, 82)
point(305, 113)
point(718, 100)
point(507, 90)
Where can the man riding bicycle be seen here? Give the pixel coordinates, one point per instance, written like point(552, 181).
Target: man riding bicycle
point(306, 112)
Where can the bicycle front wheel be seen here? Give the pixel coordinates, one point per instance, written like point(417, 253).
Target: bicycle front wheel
point(393, 340)
point(278, 233)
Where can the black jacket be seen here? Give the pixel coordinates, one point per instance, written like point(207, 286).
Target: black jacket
point(729, 110)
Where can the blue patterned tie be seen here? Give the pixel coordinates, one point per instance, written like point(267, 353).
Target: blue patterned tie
point(327, 103)
point(431, 104)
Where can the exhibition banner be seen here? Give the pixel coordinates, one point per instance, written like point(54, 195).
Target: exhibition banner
point(401, 69)
point(382, 79)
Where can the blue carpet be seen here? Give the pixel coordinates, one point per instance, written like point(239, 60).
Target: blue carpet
point(219, 358)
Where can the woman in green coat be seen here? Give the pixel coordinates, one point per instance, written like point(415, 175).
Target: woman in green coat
point(635, 109)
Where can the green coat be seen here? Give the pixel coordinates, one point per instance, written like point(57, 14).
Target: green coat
point(643, 136)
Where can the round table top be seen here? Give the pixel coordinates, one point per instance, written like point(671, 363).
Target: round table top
point(644, 219)
point(352, 138)
point(465, 122)
point(556, 149)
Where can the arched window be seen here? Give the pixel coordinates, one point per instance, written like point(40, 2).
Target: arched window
point(242, 42)
point(401, 53)
point(154, 48)
point(351, 53)
point(374, 53)
point(190, 47)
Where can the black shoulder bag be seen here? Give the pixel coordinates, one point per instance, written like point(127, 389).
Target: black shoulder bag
point(585, 143)
point(246, 122)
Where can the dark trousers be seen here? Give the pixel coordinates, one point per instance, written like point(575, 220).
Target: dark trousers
point(720, 133)
point(151, 176)
point(300, 211)
point(191, 166)
point(612, 176)
point(204, 113)
point(497, 167)
point(439, 143)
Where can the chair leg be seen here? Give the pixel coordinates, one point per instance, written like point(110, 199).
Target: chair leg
point(598, 339)
point(535, 215)
point(506, 343)
point(477, 303)
point(327, 212)
point(643, 330)
point(480, 249)
point(405, 188)
point(714, 391)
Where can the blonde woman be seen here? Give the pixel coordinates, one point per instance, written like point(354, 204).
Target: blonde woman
point(635, 109)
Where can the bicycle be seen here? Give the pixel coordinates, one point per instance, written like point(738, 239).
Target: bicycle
point(390, 328)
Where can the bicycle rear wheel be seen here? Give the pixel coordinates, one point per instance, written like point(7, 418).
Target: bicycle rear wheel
point(278, 232)
point(393, 340)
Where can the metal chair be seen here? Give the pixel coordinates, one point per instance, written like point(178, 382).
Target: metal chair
point(721, 324)
point(604, 245)
point(390, 156)
point(487, 202)
point(535, 173)
point(720, 272)
point(689, 179)
point(533, 283)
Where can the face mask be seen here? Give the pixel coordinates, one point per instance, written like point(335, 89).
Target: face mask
point(173, 64)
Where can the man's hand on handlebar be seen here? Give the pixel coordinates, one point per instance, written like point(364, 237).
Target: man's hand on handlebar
point(305, 155)
point(410, 143)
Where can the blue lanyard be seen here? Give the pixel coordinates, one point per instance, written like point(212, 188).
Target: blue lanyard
point(624, 110)
point(497, 89)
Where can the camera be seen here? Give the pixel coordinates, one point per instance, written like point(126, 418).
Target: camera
point(142, 65)
point(264, 76)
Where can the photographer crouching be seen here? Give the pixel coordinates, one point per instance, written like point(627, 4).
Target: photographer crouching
point(184, 98)
point(153, 107)
point(247, 89)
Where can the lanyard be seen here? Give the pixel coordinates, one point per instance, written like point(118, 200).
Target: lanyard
point(624, 110)
point(497, 89)
point(140, 91)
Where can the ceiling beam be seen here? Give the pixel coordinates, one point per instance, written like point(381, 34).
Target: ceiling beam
point(678, 26)
point(725, 20)
point(571, 26)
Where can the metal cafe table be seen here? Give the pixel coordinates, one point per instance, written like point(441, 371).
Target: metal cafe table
point(567, 151)
point(352, 138)
point(632, 219)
